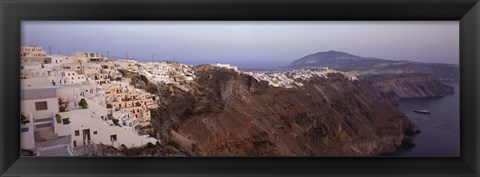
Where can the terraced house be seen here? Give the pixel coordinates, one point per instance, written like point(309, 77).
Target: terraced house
point(135, 101)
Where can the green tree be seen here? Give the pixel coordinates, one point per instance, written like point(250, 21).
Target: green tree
point(83, 103)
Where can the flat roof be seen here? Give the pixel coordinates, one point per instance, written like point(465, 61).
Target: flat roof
point(38, 93)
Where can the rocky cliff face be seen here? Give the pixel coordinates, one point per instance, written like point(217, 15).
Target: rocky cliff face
point(396, 86)
point(226, 113)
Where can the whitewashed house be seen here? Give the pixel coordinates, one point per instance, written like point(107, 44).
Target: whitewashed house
point(40, 102)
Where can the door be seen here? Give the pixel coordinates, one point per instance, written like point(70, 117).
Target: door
point(86, 136)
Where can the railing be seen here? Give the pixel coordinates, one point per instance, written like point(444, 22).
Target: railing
point(54, 119)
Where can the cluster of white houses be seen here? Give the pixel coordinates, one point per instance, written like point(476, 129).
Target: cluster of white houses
point(166, 72)
point(174, 73)
point(289, 79)
point(36, 55)
point(81, 98)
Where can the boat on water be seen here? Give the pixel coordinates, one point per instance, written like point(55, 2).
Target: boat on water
point(422, 111)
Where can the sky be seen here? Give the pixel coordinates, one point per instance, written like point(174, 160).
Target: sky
point(248, 43)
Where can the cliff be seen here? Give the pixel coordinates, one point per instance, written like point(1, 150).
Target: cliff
point(226, 113)
point(396, 86)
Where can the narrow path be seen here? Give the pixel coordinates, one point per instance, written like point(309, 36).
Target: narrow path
point(57, 147)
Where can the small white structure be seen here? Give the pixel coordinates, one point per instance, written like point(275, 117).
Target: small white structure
point(91, 56)
point(40, 102)
point(228, 66)
point(87, 130)
point(72, 77)
point(27, 133)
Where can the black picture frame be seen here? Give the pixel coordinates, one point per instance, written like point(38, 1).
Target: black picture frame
point(14, 11)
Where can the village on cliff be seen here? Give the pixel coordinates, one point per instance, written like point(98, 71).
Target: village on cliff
point(70, 104)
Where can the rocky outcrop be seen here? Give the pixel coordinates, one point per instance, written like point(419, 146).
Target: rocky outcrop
point(226, 113)
point(396, 86)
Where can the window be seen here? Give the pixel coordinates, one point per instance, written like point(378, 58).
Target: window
point(77, 133)
point(113, 137)
point(41, 105)
point(94, 132)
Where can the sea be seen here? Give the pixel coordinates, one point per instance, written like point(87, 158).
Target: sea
point(440, 136)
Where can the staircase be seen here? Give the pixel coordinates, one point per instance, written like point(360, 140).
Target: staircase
point(44, 130)
point(45, 134)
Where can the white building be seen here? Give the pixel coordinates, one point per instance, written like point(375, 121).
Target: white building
point(84, 126)
point(60, 59)
point(33, 55)
point(91, 56)
point(40, 102)
point(72, 77)
point(85, 131)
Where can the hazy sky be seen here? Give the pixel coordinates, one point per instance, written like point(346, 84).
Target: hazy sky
point(248, 43)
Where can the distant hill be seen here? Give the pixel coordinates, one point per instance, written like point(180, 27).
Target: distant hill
point(369, 65)
point(335, 59)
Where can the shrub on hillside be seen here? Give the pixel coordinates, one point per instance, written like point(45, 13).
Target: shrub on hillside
point(150, 145)
point(115, 121)
point(83, 103)
point(24, 119)
point(59, 118)
point(66, 121)
point(173, 144)
point(144, 79)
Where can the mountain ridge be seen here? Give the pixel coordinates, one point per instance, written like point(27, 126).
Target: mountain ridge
point(344, 61)
point(336, 52)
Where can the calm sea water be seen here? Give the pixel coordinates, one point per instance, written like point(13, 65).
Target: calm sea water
point(440, 136)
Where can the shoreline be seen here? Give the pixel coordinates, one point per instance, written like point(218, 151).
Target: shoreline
point(418, 118)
